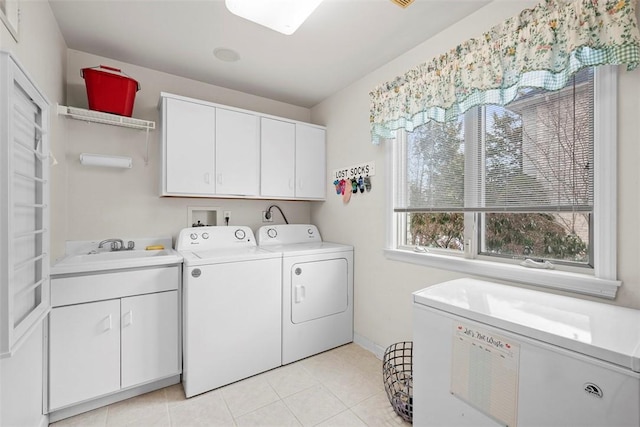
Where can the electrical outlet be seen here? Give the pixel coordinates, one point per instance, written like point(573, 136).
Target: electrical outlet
point(264, 217)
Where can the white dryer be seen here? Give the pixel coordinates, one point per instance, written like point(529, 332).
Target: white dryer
point(317, 289)
point(232, 307)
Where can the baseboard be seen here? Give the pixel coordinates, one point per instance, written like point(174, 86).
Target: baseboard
point(44, 421)
point(367, 344)
point(67, 412)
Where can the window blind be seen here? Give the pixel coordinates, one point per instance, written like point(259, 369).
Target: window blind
point(537, 152)
point(433, 167)
point(534, 155)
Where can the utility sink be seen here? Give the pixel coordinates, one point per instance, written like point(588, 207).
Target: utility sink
point(113, 255)
point(85, 257)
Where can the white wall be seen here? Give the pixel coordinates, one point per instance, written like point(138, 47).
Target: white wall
point(383, 288)
point(42, 52)
point(105, 202)
point(92, 203)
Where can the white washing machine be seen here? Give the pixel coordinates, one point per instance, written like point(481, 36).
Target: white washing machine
point(487, 354)
point(232, 307)
point(317, 289)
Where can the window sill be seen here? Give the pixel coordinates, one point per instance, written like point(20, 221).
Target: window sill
point(560, 280)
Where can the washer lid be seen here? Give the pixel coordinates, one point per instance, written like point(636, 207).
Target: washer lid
point(602, 331)
point(225, 255)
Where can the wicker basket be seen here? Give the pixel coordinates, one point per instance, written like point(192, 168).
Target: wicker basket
point(397, 374)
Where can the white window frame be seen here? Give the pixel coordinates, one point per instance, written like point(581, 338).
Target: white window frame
point(600, 281)
point(14, 331)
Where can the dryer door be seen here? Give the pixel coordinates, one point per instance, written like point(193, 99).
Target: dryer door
point(318, 289)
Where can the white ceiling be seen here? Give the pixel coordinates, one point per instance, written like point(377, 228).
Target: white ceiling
point(342, 41)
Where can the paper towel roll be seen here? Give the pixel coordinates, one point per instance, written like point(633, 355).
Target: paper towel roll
point(87, 159)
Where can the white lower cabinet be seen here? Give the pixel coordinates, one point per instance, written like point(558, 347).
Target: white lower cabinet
point(149, 338)
point(102, 340)
point(84, 352)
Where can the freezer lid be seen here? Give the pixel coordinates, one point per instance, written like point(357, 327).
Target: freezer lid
point(599, 330)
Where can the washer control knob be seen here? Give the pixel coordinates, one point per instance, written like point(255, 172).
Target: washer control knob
point(309, 230)
point(298, 271)
point(272, 233)
point(240, 234)
point(193, 236)
point(205, 235)
point(196, 272)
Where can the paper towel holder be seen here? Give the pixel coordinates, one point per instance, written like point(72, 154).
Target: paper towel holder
point(88, 159)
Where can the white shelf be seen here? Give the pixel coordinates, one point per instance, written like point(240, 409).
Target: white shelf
point(105, 118)
point(109, 119)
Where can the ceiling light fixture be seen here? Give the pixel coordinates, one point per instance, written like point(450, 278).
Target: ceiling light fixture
point(402, 3)
point(284, 16)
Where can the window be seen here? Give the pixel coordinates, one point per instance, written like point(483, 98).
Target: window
point(503, 188)
point(24, 216)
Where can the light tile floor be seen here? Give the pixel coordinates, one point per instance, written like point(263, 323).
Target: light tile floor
point(341, 387)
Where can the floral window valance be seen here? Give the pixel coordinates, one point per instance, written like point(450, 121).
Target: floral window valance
point(541, 48)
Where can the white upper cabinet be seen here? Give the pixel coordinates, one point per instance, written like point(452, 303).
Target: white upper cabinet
point(292, 160)
point(237, 153)
point(278, 156)
point(310, 162)
point(188, 135)
point(212, 150)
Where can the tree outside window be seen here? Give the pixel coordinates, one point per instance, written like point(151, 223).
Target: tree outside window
point(534, 160)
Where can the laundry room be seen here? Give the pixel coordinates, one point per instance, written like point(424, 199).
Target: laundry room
point(390, 211)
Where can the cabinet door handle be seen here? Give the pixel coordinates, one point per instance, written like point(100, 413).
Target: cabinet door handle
point(300, 186)
point(220, 178)
point(207, 178)
point(107, 323)
point(128, 319)
point(291, 184)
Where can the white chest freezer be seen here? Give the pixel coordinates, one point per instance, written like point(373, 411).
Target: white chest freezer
point(487, 354)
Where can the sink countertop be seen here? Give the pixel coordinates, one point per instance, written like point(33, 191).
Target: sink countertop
point(84, 256)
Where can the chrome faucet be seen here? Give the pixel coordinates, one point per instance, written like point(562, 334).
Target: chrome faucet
point(116, 244)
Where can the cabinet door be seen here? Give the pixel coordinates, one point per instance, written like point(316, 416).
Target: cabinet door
point(189, 147)
point(150, 340)
point(277, 158)
point(84, 352)
point(237, 153)
point(310, 162)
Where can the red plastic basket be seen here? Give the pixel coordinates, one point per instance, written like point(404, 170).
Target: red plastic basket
point(110, 90)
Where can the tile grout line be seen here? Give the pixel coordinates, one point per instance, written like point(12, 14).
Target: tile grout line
point(291, 411)
point(326, 386)
point(342, 359)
